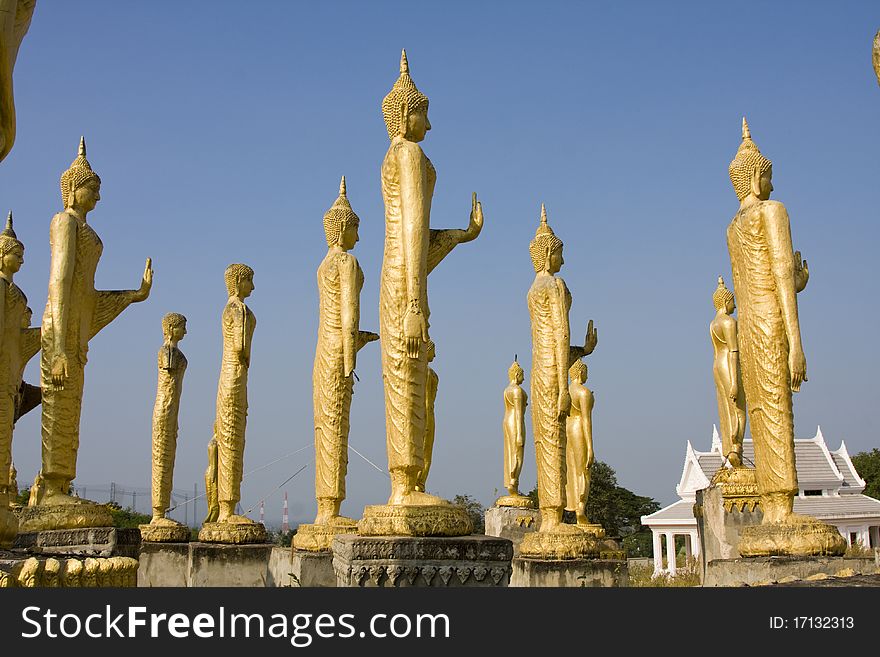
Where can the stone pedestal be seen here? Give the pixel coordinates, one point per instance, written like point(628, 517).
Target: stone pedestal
point(512, 523)
point(233, 533)
point(170, 533)
point(720, 522)
point(528, 572)
point(415, 520)
point(83, 542)
point(164, 564)
point(279, 567)
point(317, 538)
point(214, 564)
point(397, 561)
point(312, 568)
point(754, 571)
point(83, 514)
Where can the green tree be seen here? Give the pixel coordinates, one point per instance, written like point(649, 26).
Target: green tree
point(617, 509)
point(127, 517)
point(474, 509)
point(868, 466)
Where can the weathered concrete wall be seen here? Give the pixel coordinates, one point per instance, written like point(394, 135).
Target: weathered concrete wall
point(312, 568)
point(574, 573)
point(279, 567)
point(214, 564)
point(764, 570)
point(163, 564)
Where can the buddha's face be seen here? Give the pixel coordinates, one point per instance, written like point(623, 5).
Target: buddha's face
point(177, 332)
point(13, 260)
point(730, 307)
point(555, 260)
point(519, 378)
point(245, 287)
point(88, 195)
point(417, 125)
point(349, 236)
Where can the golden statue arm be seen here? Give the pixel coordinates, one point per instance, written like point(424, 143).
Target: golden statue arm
point(4, 286)
point(729, 328)
point(15, 18)
point(62, 236)
point(801, 272)
point(563, 349)
point(30, 343)
point(587, 423)
point(110, 303)
point(590, 341)
point(350, 311)
point(441, 242)
point(778, 232)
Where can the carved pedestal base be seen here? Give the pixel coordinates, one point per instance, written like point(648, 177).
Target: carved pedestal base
point(233, 533)
point(317, 538)
point(51, 572)
point(433, 520)
point(64, 516)
point(563, 542)
point(398, 561)
point(176, 533)
point(82, 542)
point(528, 572)
point(739, 488)
point(797, 536)
point(516, 501)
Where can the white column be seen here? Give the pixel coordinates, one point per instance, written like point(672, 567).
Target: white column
point(875, 536)
point(688, 547)
point(695, 544)
point(864, 536)
point(670, 553)
point(658, 552)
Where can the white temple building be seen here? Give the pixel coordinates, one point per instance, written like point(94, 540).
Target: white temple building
point(830, 490)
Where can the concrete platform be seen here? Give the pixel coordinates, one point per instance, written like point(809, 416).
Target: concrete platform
point(312, 568)
point(163, 564)
point(435, 561)
point(528, 572)
point(211, 564)
point(754, 571)
point(512, 523)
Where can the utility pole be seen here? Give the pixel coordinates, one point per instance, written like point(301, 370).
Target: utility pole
point(285, 519)
point(112, 491)
point(195, 501)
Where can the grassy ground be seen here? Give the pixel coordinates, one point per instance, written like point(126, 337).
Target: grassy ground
point(641, 575)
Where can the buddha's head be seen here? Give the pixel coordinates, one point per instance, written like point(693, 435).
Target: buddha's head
point(723, 299)
point(174, 327)
point(405, 108)
point(515, 373)
point(239, 280)
point(11, 250)
point(578, 371)
point(341, 223)
point(546, 248)
point(80, 186)
point(750, 171)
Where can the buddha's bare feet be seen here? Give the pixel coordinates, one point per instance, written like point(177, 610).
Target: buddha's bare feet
point(162, 521)
point(238, 520)
point(54, 497)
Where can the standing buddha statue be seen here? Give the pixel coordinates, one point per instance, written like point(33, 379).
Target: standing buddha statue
point(514, 428)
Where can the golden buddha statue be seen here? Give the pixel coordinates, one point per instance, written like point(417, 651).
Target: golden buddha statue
point(28, 396)
point(514, 428)
point(412, 250)
point(238, 324)
point(15, 19)
point(172, 367)
point(340, 280)
point(13, 304)
point(767, 275)
point(876, 55)
point(211, 500)
point(579, 446)
point(430, 418)
point(549, 302)
point(75, 313)
point(727, 375)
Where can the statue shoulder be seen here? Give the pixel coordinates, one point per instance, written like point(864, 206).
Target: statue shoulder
point(406, 151)
point(62, 221)
point(773, 211)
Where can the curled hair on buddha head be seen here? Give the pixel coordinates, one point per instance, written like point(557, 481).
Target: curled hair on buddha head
point(79, 173)
point(8, 240)
point(515, 371)
point(544, 238)
point(403, 94)
point(172, 321)
point(235, 274)
point(748, 158)
point(339, 216)
point(578, 371)
point(722, 296)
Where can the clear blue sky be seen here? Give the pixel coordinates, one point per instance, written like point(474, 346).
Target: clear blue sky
point(220, 130)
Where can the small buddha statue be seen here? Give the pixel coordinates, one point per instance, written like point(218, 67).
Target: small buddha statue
point(727, 375)
point(579, 443)
point(514, 429)
point(172, 367)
